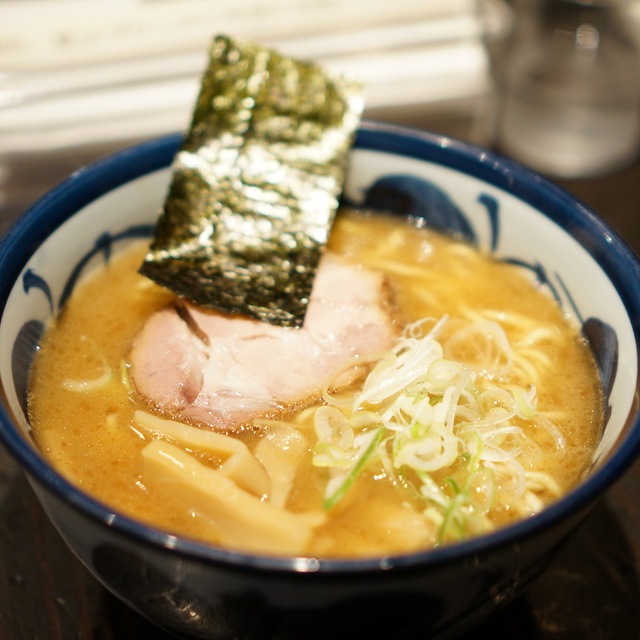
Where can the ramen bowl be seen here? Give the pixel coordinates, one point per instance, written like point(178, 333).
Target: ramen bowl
point(202, 591)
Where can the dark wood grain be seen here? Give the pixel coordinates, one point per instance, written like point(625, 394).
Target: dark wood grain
point(591, 592)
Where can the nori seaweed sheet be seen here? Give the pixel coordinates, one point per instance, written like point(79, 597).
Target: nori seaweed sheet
point(256, 184)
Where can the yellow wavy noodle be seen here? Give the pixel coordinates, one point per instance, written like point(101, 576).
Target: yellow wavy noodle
point(84, 414)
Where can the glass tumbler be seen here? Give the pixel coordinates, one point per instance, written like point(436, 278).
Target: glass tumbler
point(569, 88)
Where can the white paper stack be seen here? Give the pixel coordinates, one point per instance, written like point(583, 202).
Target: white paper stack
point(87, 71)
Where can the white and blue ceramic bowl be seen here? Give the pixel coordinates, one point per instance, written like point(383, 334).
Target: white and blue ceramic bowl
point(206, 592)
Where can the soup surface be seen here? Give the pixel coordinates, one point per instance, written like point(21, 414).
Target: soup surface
point(502, 420)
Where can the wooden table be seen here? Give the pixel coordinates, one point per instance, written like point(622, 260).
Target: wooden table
point(591, 592)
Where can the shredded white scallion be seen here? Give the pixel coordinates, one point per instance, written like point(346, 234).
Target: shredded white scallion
point(444, 427)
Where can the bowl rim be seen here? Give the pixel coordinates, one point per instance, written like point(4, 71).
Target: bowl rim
point(88, 183)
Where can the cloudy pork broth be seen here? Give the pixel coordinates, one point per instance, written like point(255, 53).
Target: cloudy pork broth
point(469, 403)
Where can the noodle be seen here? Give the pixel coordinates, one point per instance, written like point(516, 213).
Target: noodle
point(486, 409)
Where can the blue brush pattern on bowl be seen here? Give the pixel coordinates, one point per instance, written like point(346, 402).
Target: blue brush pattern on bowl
point(202, 591)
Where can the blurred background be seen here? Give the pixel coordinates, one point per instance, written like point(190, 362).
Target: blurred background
point(79, 78)
point(554, 84)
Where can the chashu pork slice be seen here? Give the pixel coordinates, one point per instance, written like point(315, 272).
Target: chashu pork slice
point(225, 370)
